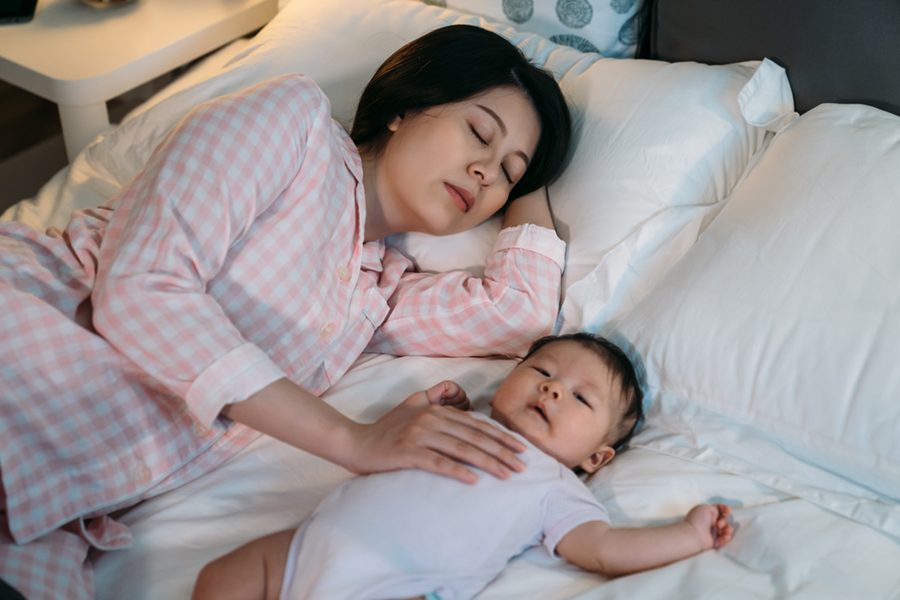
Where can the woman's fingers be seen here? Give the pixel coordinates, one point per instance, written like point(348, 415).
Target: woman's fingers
point(486, 429)
point(471, 447)
point(464, 439)
point(437, 463)
point(436, 438)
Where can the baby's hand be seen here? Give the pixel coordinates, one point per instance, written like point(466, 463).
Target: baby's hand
point(711, 524)
point(448, 393)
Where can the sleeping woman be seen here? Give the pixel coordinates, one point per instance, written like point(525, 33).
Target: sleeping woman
point(243, 271)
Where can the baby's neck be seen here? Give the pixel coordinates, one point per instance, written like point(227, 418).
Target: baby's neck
point(511, 427)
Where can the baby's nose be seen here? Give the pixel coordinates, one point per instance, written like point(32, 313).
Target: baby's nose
point(549, 388)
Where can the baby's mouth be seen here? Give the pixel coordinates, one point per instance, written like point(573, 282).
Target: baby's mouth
point(539, 409)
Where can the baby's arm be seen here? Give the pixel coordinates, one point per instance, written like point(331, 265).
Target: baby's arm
point(595, 546)
point(253, 571)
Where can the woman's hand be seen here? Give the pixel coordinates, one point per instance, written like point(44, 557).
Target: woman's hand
point(430, 431)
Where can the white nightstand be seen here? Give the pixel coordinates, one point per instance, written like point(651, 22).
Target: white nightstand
point(79, 57)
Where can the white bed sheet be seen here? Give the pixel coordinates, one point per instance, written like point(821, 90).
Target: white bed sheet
point(784, 546)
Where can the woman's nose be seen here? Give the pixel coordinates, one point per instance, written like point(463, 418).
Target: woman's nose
point(485, 172)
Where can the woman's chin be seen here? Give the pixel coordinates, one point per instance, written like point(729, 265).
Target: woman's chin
point(442, 228)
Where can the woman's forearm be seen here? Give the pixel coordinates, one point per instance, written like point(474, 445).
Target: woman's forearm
point(530, 208)
point(289, 413)
point(425, 431)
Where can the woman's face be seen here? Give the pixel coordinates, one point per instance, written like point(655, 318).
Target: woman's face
point(448, 168)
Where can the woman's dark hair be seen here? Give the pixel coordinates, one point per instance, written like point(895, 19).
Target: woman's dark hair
point(621, 366)
point(457, 62)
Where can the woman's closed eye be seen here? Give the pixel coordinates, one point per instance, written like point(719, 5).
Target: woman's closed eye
point(483, 141)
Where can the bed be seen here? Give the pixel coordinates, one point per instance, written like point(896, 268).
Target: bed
point(730, 215)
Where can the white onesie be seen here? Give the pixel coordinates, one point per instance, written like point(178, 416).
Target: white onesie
point(409, 533)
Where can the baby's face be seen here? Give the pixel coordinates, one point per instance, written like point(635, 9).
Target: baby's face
point(565, 401)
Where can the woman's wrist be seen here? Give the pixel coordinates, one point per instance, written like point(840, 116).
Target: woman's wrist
point(345, 443)
point(289, 413)
point(533, 208)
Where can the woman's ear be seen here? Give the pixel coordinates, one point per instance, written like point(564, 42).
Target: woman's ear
point(394, 124)
point(598, 459)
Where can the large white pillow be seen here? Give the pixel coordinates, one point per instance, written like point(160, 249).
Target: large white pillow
point(780, 328)
point(654, 140)
point(658, 147)
point(608, 27)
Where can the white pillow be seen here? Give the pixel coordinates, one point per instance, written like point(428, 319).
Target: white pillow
point(659, 146)
point(609, 27)
point(780, 328)
point(655, 140)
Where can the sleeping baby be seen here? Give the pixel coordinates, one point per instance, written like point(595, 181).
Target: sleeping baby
point(572, 401)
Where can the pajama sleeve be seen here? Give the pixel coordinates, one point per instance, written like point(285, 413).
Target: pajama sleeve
point(457, 314)
point(172, 229)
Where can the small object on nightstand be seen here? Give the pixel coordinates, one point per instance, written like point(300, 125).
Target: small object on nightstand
point(79, 57)
point(16, 11)
point(106, 3)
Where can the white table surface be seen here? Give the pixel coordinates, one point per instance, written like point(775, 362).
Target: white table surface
point(79, 57)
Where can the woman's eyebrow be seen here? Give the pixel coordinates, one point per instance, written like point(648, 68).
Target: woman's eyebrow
point(495, 116)
point(502, 126)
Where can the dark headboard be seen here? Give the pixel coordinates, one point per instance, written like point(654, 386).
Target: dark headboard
point(833, 50)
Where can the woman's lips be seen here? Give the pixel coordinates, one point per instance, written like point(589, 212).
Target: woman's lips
point(462, 198)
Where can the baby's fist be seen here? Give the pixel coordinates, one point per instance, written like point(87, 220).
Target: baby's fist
point(448, 393)
point(711, 523)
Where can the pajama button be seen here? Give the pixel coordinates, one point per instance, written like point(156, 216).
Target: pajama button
point(344, 274)
point(328, 329)
point(142, 474)
point(200, 428)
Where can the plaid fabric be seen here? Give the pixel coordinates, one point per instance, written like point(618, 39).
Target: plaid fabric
point(235, 258)
point(51, 567)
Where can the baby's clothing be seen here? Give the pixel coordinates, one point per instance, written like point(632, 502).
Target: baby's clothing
point(409, 533)
point(236, 257)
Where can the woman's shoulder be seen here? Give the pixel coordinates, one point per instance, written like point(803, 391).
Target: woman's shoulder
point(291, 91)
point(284, 100)
point(298, 82)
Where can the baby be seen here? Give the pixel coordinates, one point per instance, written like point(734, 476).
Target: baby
point(573, 400)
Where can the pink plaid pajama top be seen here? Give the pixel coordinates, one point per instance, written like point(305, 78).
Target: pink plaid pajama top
point(235, 258)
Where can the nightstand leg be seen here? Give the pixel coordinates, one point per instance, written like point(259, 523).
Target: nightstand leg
point(81, 124)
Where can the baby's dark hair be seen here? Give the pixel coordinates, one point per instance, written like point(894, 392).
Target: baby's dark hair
point(622, 368)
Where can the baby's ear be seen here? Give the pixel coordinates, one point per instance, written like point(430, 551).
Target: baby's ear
point(598, 459)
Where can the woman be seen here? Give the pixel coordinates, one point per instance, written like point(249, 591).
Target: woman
point(242, 272)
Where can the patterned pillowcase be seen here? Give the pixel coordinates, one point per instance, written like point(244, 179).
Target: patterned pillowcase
point(608, 27)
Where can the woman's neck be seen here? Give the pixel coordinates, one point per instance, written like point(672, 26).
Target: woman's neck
point(376, 226)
